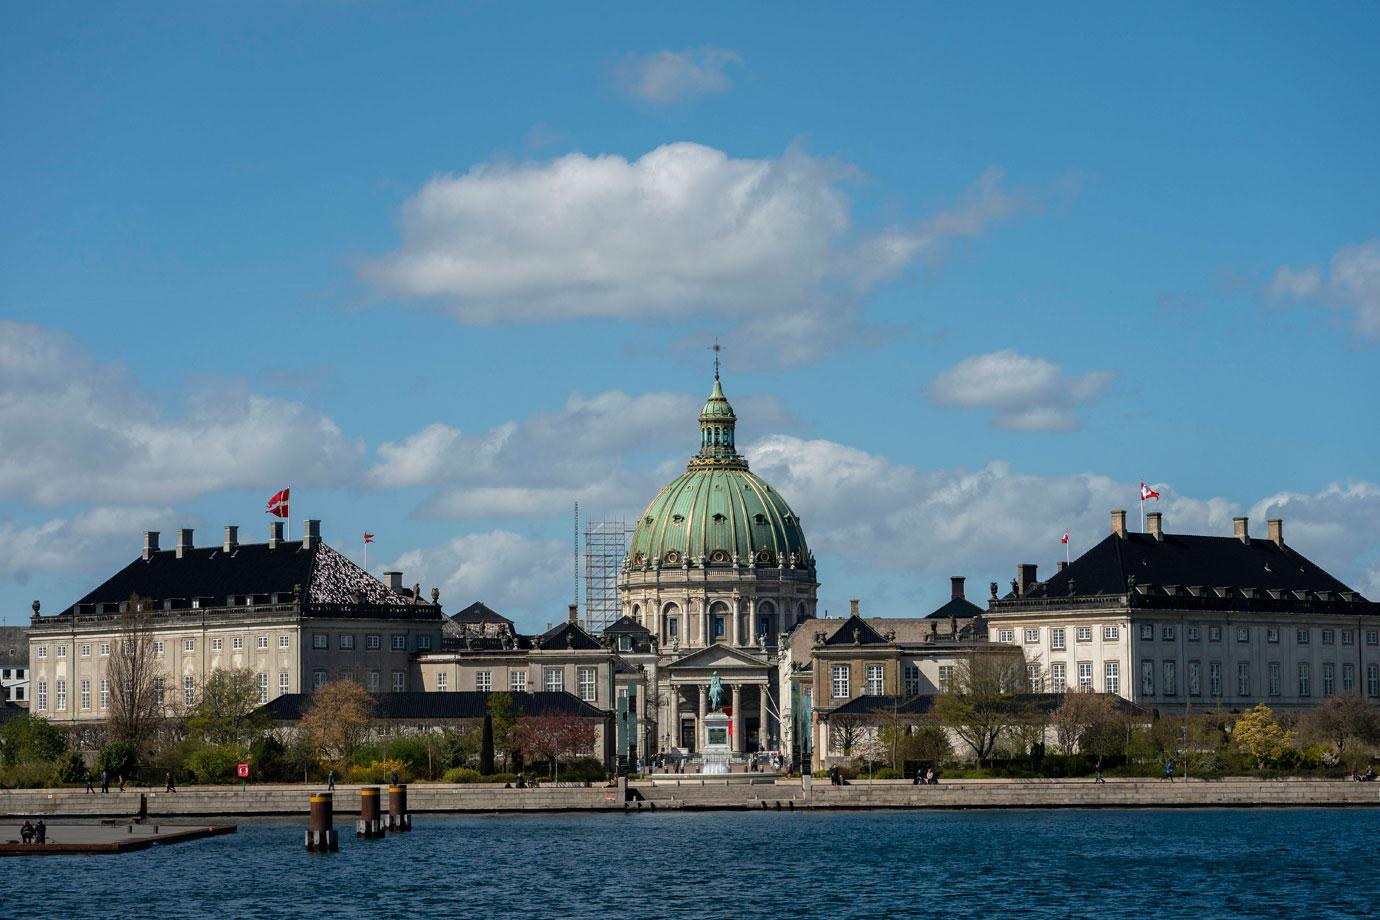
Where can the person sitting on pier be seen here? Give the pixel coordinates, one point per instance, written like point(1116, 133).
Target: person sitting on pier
point(40, 832)
point(521, 783)
point(26, 832)
point(1370, 774)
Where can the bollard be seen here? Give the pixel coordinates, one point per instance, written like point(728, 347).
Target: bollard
point(321, 837)
point(369, 825)
point(398, 818)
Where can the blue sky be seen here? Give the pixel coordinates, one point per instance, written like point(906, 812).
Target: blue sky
point(445, 269)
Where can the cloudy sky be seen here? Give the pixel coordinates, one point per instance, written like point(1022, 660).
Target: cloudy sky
point(446, 271)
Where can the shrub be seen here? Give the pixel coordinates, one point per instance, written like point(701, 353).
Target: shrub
point(887, 773)
point(462, 775)
point(118, 758)
point(30, 737)
point(378, 771)
point(29, 774)
point(584, 769)
point(69, 768)
point(214, 763)
point(418, 752)
point(268, 760)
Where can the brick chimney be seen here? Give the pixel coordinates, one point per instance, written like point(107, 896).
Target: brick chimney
point(853, 606)
point(150, 543)
point(1025, 576)
point(1276, 526)
point(1241, 529)
point(184, 541)
point(1153, 522)
point(275, 534)
point(1119, 524)
point(232, 538)
point(312, 537)
point(394, 581)
point(956, 587)
point(573, 613)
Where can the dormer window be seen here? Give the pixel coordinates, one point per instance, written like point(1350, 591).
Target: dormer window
point(677, 519)
point(720, 519)
point(759, 518)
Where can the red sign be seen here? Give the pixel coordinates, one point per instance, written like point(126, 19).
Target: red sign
point(242, 770)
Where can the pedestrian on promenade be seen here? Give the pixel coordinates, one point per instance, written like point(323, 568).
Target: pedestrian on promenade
point(93, 791)
point(330, 781)
point(919, 777)
point(105, 781)
point(1355, 777)
point(121, 779)
point(393, 777)
point(170, 786)
point(1169, 770)
point(1098, 768)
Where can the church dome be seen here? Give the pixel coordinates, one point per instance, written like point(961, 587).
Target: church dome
point(717, 513)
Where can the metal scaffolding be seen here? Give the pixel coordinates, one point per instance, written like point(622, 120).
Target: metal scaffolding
point(606, 543)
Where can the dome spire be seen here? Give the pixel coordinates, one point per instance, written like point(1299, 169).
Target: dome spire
point(717, 423)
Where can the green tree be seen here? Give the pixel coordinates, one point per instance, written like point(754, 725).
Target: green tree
point(1342, 719)
point(486, 746)
point(228, 711)
point(503, 710)
point(1257, 734)
point(338, 721)
point(982, 704)
point(30, 738)
point(118, 758)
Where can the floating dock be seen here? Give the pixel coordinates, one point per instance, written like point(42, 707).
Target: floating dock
point(70, 839)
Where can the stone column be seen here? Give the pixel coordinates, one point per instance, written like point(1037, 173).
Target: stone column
point(736, 639)
point(762, 733)
point(672, 705)
point(752, 621)
point(699, 718)
point(738, 746)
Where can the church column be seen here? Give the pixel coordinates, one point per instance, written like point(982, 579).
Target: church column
point(699, 719)
point(738, 745)
point(671, 734)
point(763, 735)
point(736, 639)
point(752, 621)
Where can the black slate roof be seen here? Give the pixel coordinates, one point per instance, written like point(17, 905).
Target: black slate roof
point(919, 705)
point(626, 624)
point(479, 613)
point(1186, 560)
point(466, 704)
point(568, 636)
point(957, 608)
point(855, 628)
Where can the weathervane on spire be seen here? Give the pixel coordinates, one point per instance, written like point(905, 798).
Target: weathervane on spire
point(716, 348)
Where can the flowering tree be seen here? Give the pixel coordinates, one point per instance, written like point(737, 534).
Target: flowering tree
point(1258, 735)
point(551, 737)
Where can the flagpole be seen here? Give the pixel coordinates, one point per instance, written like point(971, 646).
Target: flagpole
point(366, 555)
point(1142, 506)
point(288, 519)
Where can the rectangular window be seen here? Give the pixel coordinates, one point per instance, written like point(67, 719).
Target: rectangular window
point(283, 683)
point(718, 627)
point(1272, 672)
point(399, 641)
point(1192, 634)
point(484, 681)
point(1085, 675)
point(673, 627)
point(263, 641)
point(1243, 634)
point(1057, 677)
point(1373, 637)
point(1056, 638)
point(347, 641)
point(1006, 635)
point(104, 649)
point(1329, 636)
point(1214, 634)
point(1272, 634)
point(1112, 676)
point(1170, 670)
point(189, 645)
point(587, 684)
point(1348, 637)
point(443, 682)
point(1329, 678)
point(841, 680)
point(217, 645)
point(189, 690)
point(60, 693)
point(555, 680)
point(1305, 680)
point(1243, 678)
point(1147, 677)
point(517, 681)
point(1214, 678)
point(946, 677)
point(105, 693)
point(1372, 680)
point(318, 679)
point(1195, 678)
point(85, 650)
point(62, 651)
point(373, 642)
point(1031, 636)
point(320, 640)
point(1147, 632)
point(43, 651)
point(284, 642)
point(263, 687)
point(374, 682)
point(1034, 681)
point(237, 643)
point(84, 694)
point(910, 678)
point(399, 681)
point(43, 694)
point(1083, 634)
point(1302, 636)
point(158, 647)
point(423, 643)
point(875, 680)
point(160, 693)
point(1167, 633)
point(1348, 676)
point(1110, 633)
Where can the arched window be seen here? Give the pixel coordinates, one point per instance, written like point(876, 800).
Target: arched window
point(718, 622)
point(637, 614)
point(766, 619)
point(670, 623)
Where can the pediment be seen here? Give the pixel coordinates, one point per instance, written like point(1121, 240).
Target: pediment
point(717, 657)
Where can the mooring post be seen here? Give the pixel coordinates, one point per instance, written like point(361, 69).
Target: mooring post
point(321, 837)
point(398, 818)
point(369, 825)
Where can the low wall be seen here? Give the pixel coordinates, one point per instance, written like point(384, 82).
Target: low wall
point(438, 798)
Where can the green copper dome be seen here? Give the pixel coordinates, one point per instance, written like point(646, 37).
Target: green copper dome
point(717, 512)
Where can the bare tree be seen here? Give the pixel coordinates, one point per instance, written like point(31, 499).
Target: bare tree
point(339, 719)
point(136, 678)
point(1080, 718)
point(982, 703)
point(847, 731)
point(1342, 718)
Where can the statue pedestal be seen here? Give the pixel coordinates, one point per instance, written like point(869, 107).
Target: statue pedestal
point(716, 748)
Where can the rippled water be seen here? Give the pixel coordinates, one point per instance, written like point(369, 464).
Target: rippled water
point(1202, 864)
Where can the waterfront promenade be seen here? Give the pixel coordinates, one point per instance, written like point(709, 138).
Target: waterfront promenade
point(691, 793)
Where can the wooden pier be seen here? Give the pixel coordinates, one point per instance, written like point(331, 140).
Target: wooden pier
point(72, 839)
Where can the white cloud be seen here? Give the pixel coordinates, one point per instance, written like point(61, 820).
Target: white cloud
point(685, 231)
point(677, 76)
point(74, 429)
point(1026, 393)
point(1350, 285)
point(98, 535)
point(517, 576)
point(1336, 523)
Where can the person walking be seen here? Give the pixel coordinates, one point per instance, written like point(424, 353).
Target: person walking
point(1098, 768)
point(93, 791)
point(121, 780)
point(330, 781)
point(105, 781)
point(1169, 770)
point(170, 787)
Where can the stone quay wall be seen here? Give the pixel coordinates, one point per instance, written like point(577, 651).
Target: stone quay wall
point(693, 794)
